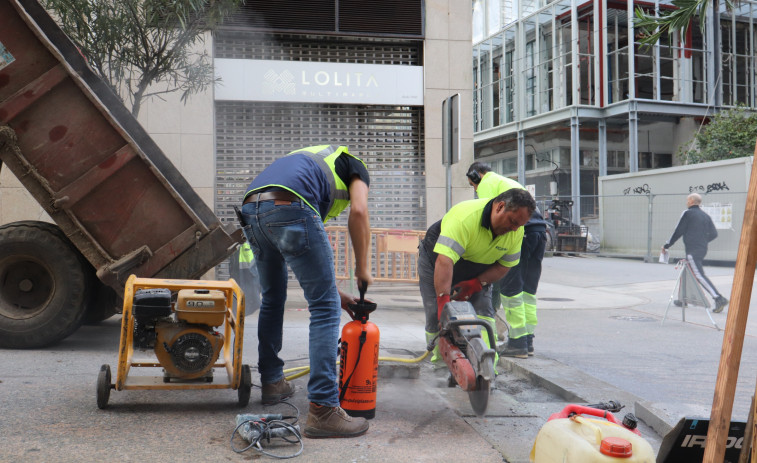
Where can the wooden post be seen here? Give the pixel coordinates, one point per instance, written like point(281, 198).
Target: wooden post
point(746, 447)
point(735, 328)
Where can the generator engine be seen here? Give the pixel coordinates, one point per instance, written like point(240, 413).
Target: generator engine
point(180, 330)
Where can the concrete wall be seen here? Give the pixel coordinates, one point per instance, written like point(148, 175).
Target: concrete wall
point(640, 211)
point(447, 70)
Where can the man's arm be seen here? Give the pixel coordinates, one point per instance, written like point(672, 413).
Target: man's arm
point(443, 275)
point(359, 226)
point(712, 232)
point(494, 273)
point(679, 231)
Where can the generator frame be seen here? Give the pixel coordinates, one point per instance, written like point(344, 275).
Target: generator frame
point(239, 376)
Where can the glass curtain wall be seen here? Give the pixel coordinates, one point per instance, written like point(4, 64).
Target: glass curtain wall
point(542, 66)
point(738, 38)
point(535, 52)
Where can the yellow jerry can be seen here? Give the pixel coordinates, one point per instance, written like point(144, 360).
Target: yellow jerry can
point(570, 437)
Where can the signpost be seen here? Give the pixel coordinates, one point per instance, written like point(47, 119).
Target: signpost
point(450, 138)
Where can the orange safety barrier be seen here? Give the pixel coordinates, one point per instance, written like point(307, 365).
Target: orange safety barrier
point(394, 254)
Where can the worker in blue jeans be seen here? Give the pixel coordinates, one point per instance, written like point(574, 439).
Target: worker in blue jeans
point(284, 211)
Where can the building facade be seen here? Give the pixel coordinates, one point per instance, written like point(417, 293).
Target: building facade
point(371, 75)
point(565, 93)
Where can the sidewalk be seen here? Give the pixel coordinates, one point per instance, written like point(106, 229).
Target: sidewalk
point(599, 338)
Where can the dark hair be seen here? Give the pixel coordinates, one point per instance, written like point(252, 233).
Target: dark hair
point(515, 198)
point(475, 170)
point(479, 167)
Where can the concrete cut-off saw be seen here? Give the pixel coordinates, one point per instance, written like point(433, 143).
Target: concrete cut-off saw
point(464, 350)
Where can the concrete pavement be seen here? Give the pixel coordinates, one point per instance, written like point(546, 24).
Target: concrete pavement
point(599, 338)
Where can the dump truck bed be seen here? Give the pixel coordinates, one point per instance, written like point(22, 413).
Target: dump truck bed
point(90, 164)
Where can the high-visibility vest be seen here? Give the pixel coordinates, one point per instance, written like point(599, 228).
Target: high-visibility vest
point(324, 157)
point(245, 255)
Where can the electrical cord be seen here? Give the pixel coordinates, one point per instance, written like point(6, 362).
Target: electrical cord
point(257, 429)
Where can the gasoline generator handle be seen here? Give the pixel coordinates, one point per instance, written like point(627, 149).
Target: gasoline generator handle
point(485, 324)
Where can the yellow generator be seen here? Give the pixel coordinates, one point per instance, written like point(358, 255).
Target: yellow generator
point(186, 324)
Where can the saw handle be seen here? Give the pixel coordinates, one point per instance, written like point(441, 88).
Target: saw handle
point(485, 324)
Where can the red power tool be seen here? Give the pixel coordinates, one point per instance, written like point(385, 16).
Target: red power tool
point(470, 360)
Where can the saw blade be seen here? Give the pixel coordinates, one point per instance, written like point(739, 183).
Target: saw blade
point(479, 397)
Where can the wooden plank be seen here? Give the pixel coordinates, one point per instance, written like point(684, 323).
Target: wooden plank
point(82, 186)
point(32, 92)
point(735, 328)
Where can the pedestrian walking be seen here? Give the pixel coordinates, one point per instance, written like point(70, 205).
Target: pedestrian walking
point(284, 210)
point(697, 230)
point(517, 290)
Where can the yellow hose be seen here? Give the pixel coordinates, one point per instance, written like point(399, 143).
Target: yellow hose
point(306, 369)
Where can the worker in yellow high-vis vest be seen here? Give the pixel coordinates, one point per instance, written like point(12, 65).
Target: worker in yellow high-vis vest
point(518, 288)
point(475, 244)
point(246, 275)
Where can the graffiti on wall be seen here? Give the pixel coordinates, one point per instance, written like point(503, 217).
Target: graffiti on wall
point(718, 186)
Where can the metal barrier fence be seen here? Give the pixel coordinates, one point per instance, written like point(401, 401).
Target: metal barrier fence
point(637, 225)
point(394, 254)
point(632, 225)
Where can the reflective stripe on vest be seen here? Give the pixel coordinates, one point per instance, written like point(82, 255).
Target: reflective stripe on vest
point(325, 156)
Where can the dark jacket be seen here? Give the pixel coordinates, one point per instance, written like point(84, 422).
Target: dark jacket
point(697, 230)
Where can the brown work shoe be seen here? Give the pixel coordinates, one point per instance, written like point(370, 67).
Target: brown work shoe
point(276, 392)
point(324, 421)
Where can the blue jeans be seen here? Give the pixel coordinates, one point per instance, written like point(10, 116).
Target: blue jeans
point(294, 235)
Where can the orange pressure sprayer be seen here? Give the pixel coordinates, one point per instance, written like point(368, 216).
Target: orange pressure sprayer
point(359, 353)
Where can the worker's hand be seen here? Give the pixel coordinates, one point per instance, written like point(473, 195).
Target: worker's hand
point(363, 277)
point(465, 289)
point(346, 300)
point(441, 300)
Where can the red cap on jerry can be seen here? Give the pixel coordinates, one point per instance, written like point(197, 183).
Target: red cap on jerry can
point(616, 447)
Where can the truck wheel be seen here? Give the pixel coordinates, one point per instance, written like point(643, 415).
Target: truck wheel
point(103, 304)
point(43, 285)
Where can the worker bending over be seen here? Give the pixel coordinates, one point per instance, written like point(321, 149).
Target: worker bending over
point(475, 244)
point(518, 288)
point(284, 211)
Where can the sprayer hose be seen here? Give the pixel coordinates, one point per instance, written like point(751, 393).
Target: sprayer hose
point(303, 370)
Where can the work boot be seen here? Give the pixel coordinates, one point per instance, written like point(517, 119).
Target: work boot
point(530, 338)
point(324, 421)
point(436, 358)
point(274, 393)
point(517, 348)
point(720, 303)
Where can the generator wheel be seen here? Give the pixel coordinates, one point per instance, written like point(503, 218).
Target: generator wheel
point(103, 387)
point(44, 287)
point(245, 386)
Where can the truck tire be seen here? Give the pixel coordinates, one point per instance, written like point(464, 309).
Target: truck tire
point(43, 285)
point(104, 302)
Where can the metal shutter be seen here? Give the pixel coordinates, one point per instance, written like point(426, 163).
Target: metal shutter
point(249, 136)
point(389, 139)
